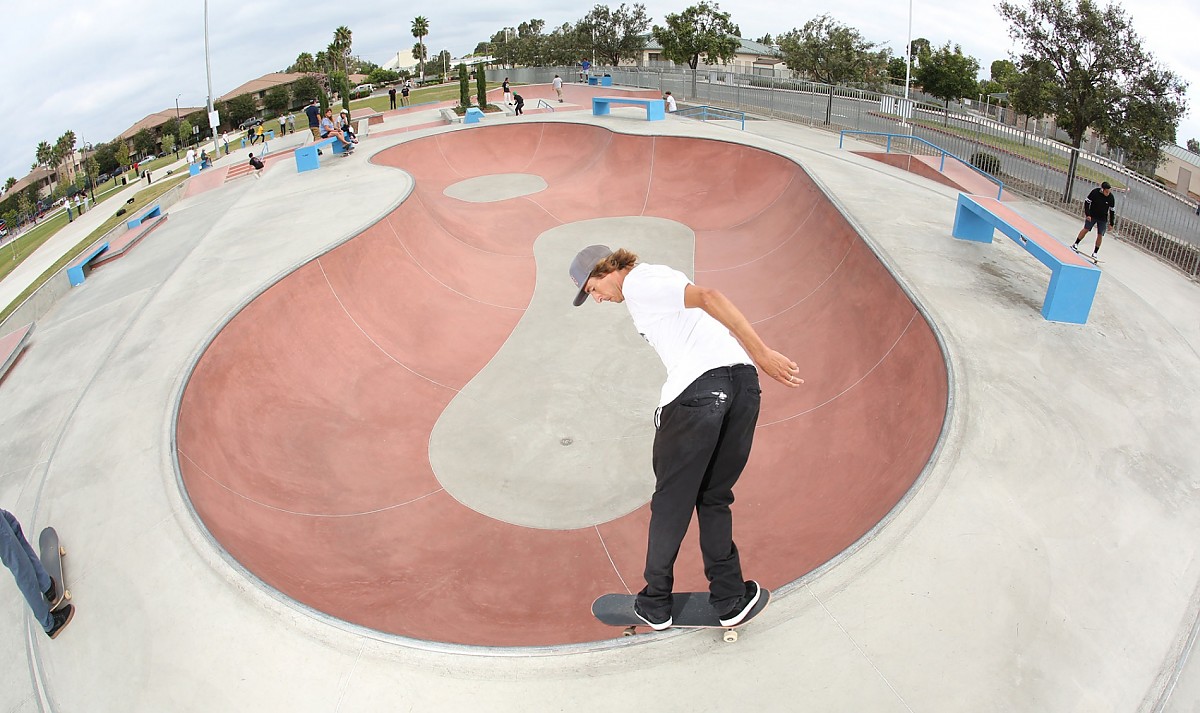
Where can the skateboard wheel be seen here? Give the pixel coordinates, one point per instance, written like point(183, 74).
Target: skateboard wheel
point(629, 631)
point(730, 636)
point(62, 551)
point(67, 595)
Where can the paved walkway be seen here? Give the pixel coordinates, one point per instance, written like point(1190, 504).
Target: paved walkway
point(1046, 560)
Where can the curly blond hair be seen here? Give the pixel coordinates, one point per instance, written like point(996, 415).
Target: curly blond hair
point(616, 262)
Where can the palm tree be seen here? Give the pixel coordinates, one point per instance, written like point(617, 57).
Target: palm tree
point(342, 38)
point(44, 153)
point(304, 63)
point(10, 183)
point(420, 28)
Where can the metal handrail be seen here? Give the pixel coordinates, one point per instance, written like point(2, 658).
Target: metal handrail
point(703, 111)
point(543, 103)
point(944, 153)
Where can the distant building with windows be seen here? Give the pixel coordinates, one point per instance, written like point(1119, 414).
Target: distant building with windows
point(751, 58)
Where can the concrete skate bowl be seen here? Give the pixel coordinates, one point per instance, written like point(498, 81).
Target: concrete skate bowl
point(418, 434)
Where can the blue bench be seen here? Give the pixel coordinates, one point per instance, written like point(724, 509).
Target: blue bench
point(472, 116)
point(152, 212)
point(1073, 279)
point(75, 272)
point(307, 158)
point(655, 108)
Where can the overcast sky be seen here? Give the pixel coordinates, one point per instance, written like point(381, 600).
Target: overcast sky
point(98, 66)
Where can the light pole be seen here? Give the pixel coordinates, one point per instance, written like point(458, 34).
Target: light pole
point(177, 125)
point(208, 72)
point(904, 110)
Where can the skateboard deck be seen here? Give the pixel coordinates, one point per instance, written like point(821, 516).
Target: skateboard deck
point(52, 553)
point(689, 610)
point(1094, 260)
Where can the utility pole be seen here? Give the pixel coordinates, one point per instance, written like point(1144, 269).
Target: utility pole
point(177, 125)
point(208, 72)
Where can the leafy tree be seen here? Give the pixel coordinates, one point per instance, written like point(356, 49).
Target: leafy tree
point(278, 100)
point(321, 62)
point(420, 29)
point(1192, 145)
point(619, 34)
point(379, 75)
point(10, 183)
point(949, 74)
point(168, 142)
point(66, 144)
point(106, 157)
point(919, 51)
point(897, 69)
point(185, 134)
point(25, 206)
point(305, 89)
point(765, 40)
point(304, 63)
point(92, 167)
point(481, 87)
point(699, 30)
point(420, 54)
point(240, 108)
point(1097, 73)
point(831, 52)
point(143, 142)
point(122, 154)
point(562, 45)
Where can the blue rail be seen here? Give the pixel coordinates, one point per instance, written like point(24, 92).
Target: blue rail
point(944, 153)
point(703, 113)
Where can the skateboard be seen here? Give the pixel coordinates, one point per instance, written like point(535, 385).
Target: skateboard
point(690, 610)
point(1094, 260)
point(52, 554)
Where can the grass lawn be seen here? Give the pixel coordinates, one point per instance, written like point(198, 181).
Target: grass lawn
point(424, 95)
point(142, 199)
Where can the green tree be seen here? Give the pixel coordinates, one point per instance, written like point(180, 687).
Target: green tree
point(919, 51)
point(765, 40)
point(562, 45)
point(106, 156)
point(831, 52)
point(419, 53)
point(949, 74)
point(168, 142)
point(1192, 145)
point(699, 30)
point(420, 29)
point(10, 183)
point(464, 87)
point(306, 89)
point(25, 207)
point(342, 41)
point(185, 135)
point(278, 100)
point(321, 62)
point(122, 155)
point(66, 144)
point(481, 87)
point(1098, 73)
point(339, 84)
point(304, 63)
point(897, 69)
point(240, 108)
point(92, 167)
point(619, 34)
point(44, 153)
point(143, 142)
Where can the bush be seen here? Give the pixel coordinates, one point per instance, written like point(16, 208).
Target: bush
point(986, 162)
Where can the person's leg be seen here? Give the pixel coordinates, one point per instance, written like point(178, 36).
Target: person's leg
point(19, 557)
point(722, 566)
point(688, 429)
point(1087, 226)
point(1101, 229)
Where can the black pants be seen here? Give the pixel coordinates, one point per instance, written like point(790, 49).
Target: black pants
point(702, 443)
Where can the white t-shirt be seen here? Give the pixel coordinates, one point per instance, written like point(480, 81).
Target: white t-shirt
point(558, 82)
point(689, 341)
point(670, 103)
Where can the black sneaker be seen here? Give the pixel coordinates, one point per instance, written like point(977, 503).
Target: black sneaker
point(743, 606)
point(62, 617)
point(656, 625)
point(52, 593)
point(1075, 247)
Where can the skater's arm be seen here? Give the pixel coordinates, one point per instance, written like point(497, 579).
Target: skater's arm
point(718, 306)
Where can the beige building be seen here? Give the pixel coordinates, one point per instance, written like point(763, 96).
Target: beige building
point(258, 88)
point(1180, 170)
point(153, 123)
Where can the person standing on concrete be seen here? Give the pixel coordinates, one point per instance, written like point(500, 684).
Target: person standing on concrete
point(225, 141)
point(708, 410)
point(558, 87)
point(190, 156)
point(1099, 209)
point(508, 97)
point(392, 97)
point(314, 118)
point(33, 581)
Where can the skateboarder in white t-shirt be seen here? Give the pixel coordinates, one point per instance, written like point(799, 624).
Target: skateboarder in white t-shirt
point(707, 412)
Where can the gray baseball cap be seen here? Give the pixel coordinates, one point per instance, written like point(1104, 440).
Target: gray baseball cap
point(582, 266)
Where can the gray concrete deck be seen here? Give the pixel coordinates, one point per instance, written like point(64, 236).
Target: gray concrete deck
point(1046, 561)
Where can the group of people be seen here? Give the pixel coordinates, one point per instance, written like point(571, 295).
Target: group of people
point(405, 90)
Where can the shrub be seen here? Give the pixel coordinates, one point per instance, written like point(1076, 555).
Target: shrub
point(986, 162)
point(464, 86)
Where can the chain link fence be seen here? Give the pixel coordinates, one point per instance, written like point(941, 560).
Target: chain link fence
point(1030, 163)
